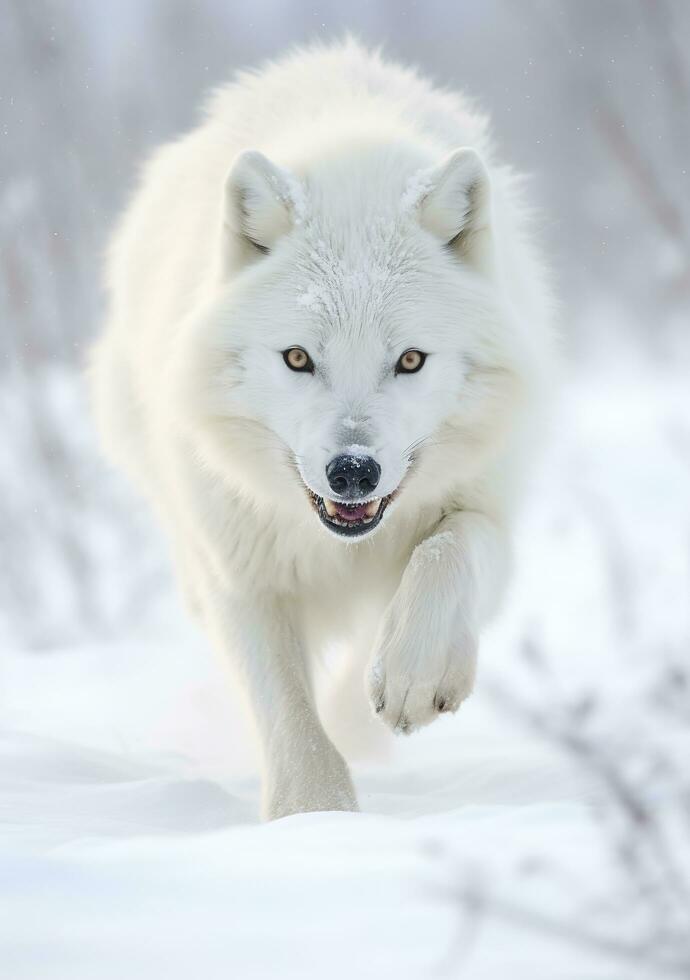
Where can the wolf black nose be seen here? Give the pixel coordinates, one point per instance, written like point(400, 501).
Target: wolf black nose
point(353, 476)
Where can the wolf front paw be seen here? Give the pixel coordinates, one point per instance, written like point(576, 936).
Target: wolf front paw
point(410, 688)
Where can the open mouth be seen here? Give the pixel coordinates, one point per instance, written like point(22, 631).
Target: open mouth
point(350, 519)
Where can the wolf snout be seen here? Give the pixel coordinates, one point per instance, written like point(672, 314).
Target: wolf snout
point(353, 476)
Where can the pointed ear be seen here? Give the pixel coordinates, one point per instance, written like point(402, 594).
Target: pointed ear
point(456, 207)
point(262, 202)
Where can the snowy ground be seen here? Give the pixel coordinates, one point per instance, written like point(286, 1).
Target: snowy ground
point(128, 795)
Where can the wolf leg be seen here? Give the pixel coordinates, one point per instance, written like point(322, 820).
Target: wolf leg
point(424, 657)
point(346, 711)
point(302, 770)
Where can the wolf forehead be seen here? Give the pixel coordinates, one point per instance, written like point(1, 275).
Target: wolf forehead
point(361, 284)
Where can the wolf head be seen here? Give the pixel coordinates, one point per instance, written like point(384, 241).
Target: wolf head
point(353, 355)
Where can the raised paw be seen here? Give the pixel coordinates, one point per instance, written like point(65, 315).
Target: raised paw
point(409, 690)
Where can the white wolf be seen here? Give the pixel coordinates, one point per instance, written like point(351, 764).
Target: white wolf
point(328, 335)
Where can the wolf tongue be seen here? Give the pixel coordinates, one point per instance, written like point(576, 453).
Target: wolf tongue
point(352, 513)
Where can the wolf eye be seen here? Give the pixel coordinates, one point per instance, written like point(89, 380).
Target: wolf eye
point(297, 359)
point(410, 361)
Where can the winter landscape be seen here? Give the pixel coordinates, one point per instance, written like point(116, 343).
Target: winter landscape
point(544, 830)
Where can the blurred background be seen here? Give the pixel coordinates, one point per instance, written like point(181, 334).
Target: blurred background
point(591, 99)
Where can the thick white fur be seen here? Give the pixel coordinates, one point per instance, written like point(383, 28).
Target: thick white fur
point(389, 226)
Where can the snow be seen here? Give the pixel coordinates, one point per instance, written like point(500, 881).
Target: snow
point(119, 845)
point(128, 790)
point(310, 297)
point(428, 553)
point(296, 196)
point(416, 188)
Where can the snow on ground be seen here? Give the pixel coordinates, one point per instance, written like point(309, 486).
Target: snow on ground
point(128, 792)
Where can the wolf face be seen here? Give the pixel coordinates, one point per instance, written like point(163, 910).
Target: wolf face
point(349, 352)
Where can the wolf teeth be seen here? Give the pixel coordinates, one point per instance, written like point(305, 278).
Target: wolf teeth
point(372, 509)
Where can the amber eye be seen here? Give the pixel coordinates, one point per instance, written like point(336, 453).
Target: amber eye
point(410, 362)
point(297, 359)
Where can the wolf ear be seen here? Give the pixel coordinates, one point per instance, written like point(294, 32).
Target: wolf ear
point(456, 207)
point(262, 203)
